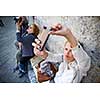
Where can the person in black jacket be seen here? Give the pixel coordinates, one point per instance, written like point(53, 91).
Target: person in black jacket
point(22, 25)
point(25, 41)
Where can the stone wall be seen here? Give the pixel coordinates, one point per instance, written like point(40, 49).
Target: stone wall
point(86, 29)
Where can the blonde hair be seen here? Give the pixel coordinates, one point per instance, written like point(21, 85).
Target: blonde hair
point(65, 43)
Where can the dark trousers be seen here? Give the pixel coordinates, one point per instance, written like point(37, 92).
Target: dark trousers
point(24, 64)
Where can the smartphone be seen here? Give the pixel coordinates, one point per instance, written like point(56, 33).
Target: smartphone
point(43, 37)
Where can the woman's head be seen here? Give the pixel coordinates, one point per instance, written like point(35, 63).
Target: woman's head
point(33, 29)
point(68, 56)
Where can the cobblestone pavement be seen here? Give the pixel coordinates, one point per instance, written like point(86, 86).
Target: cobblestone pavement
point(8, 52)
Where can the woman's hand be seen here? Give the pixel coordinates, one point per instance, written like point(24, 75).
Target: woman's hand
point(19, 23)
point(60, 30)
point(37, 52)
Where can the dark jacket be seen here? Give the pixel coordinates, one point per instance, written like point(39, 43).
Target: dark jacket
point(26, 40)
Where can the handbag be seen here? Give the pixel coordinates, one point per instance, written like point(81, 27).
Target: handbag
point(42, 77)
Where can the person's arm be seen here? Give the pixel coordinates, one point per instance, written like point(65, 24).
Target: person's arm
point(18, 32)
point(66, 32)
point(18, 36)
point(82, 59)
point(37, 52)
point(69, 36)
point(48, 56)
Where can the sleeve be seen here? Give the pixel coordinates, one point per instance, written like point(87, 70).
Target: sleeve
point(82, 59)
point(18, 35)
point(25, 39)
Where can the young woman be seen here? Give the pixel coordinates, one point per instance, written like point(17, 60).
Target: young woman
point(75, 62)
point(25, 41)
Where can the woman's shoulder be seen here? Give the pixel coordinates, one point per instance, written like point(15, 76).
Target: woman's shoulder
point(32, 36)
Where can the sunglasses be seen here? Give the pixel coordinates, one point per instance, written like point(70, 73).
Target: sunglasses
point(30, 27)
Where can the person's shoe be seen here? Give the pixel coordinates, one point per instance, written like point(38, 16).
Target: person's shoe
point(21, 74)
point(15, 69)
